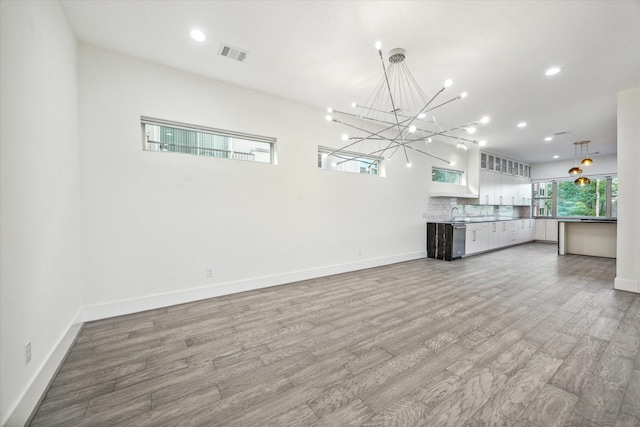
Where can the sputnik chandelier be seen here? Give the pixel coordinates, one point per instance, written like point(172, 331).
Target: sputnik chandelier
point(398, 116)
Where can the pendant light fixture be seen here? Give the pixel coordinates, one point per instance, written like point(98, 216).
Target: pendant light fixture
point(582, 181)
point(586, 161)
point(575, 170)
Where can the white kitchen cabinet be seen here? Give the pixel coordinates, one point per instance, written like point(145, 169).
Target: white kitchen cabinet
point(477, 238)
point(551, 230)
point(485, 236)
point(546, 229)
point(503, 230)
point(540, 229)
point(524, 194)
point(494, 235)
point(526, 230)
point(503, 189)
point(488, 184)
point(512, 228)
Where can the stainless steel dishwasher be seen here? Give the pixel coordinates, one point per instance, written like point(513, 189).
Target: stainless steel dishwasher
point(458, 240)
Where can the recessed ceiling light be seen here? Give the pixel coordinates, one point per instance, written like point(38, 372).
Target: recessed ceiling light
point(551, 71)
point(556, 157)
point(549, 138)
point(197, 35)
point(522, 124)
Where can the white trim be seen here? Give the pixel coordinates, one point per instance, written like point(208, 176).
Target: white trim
point(150, 302)
point(629, 285)
point(31, 397)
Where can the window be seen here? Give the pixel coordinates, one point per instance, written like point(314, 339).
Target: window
point(162, 135)
point(543, 199)
point(446, 175)
point(346, 161)
point(565, 199)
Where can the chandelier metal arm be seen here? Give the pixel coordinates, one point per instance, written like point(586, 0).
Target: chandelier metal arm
point(361, 139)
point(391, 113)
point(386, 79)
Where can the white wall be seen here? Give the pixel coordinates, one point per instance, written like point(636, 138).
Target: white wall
point(40, 270)
point(559, 170)
point(628, 250)
point(153, 222)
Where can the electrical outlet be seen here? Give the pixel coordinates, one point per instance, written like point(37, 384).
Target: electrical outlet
point(27, 353)
point(209, 272)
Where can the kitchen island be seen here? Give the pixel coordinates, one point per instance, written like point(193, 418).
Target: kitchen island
point(587, 237)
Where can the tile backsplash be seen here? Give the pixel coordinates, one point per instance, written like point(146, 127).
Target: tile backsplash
point(439, 209)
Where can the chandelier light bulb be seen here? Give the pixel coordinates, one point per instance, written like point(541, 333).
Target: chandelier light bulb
point(345, 137)
point(484, 120)
point(471, 130)
point(448, 82)
point(549, 138)
point(354, 104)
point(482, 143)
point(522, 124)
point(422, 116)
point(429, 139)
point(452, 163)
point(408, 164)
point(463, 95)
point(378, 45)
point(329, 118)
point(412, 129)
point(329, 110)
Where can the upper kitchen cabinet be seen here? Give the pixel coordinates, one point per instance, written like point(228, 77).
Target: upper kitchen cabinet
point(504, 181)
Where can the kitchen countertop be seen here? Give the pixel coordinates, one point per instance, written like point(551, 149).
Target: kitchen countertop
point(475, 220)
point(589, 220)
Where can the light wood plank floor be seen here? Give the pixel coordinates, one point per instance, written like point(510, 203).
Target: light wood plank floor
point(518, 337)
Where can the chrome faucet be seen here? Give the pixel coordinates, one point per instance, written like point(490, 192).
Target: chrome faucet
point(453, 217)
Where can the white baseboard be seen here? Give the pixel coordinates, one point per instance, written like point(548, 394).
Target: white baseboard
point(149, 302)
point(626, 285)
point(38, 385)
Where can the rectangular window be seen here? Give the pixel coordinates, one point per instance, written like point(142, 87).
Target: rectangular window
point(446, 175)
point(346, 161)
point(543, 199)
point(582, 201)
point(598, 199)
point(174, 137)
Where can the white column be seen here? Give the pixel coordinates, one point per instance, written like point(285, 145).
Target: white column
point(628, 240)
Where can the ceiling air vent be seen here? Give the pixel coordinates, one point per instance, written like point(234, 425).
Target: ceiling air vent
point(233, 52)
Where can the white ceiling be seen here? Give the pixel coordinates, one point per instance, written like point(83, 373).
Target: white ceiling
point(322, 53)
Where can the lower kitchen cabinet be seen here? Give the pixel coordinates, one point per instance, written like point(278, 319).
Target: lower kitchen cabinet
point(485, 236)
point(477, 238)
point(546, 229)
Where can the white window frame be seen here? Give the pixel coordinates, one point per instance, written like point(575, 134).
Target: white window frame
point(327, 161)
point(459, 173)
point(150, 145)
